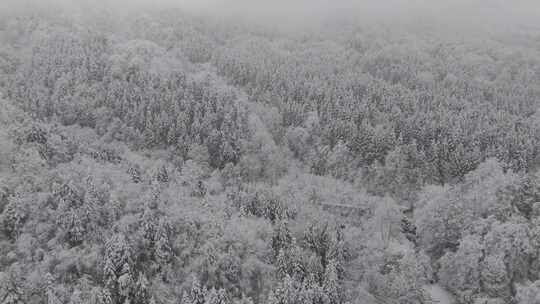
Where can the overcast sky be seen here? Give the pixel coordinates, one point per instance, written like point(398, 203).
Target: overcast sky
point(480, 13)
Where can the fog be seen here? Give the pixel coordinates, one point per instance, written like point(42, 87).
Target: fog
point(493, 14)
point(452, 14)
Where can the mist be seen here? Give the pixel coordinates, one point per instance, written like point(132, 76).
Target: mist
point(461, 15)
point(481, 14)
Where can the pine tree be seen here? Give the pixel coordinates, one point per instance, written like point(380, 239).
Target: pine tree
point(141, 294)
point(101, 296)
point(135, 173)
point(74, 227)
point(282, 264)
point(52, 297)
point(125, 285)
point(195, 295)
point(148, 225)
point(331, 283)
point(117, 266)
point(282, 238)
point(243, 300)
point(163, 251)
point(13, 217)
point(162, 175)
point(460, 271)
point(312, 292)
point(214, 296)
point(324, 240)
point(495, 279)
point(76, 297)
point(285, 293)
point(10, 289)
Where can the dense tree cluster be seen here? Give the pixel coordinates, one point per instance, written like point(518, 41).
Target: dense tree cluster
point(455, 107)
point(165, 158)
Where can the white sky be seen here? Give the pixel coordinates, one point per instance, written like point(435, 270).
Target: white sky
point(487, 13)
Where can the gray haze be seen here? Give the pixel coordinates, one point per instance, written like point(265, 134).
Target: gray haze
point(454, 14)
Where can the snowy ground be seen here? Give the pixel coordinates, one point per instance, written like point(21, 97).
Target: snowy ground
point(439, 294)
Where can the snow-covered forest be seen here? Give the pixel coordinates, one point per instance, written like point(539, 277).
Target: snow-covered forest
point(157, 154)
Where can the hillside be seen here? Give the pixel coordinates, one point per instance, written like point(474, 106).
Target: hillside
point(163, 157)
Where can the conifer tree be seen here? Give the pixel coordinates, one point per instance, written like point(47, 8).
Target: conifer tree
point(11, 291)
point(331, 283)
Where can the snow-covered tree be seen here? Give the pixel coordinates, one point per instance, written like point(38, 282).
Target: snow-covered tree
point(460, 272)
